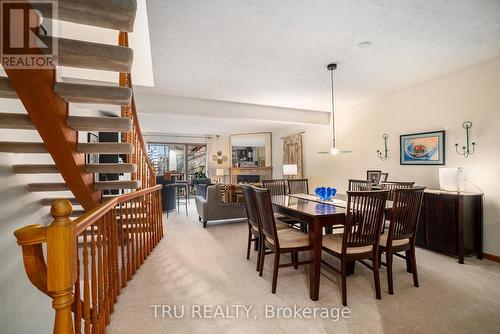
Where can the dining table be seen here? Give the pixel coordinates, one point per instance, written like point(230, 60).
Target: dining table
point(319, 215)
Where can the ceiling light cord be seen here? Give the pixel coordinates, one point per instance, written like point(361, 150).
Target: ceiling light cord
point(333, 106)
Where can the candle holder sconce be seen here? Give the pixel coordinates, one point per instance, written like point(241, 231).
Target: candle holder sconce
point(383, 156)
point(469, 147)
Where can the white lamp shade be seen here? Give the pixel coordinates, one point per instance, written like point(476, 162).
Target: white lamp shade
point(289, 169)
point(219, 172)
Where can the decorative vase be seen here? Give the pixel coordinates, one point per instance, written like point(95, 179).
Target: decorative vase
point(325, 193)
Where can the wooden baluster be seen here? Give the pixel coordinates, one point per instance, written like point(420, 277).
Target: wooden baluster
point(61, 265)
point(144, 168)
point(136, 231)
point(86, 288)
point(134, 235)
point(151, 221)
point(153, 218)
point(111, 262)
point(77, 296)
point(105, 268)
point(123, 240)
point(129, 241)
point(141, 235)
point(147, 221)
point(94, 312)
point(116, 277)
point(116, 234)
point(144, 228)
point(100, 276)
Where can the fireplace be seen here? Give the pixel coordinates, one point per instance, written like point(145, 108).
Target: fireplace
point(248, 178)
point(249, 174)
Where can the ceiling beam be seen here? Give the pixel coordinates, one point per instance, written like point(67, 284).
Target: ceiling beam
point(204, 108)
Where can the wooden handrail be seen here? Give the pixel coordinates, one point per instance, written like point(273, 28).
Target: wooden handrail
point(88, 218)
point(114, 239)
point(139, 133)
point(146, 169)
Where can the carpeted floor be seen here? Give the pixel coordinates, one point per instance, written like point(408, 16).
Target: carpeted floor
point(193, 266)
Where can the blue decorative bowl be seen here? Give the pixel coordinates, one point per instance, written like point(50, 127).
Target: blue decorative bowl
point(325, 193)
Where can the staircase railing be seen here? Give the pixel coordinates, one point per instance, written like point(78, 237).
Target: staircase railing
point(145, 170)
point(90, 259)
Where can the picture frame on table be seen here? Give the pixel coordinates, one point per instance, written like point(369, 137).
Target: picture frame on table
point(425, 148)
point(373, 176)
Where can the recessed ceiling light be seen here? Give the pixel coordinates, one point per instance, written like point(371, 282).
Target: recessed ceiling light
point(364, 45)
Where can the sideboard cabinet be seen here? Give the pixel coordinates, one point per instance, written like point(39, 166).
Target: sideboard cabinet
point(452, 223)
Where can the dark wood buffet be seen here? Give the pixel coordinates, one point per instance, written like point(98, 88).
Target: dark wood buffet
point(452, 223)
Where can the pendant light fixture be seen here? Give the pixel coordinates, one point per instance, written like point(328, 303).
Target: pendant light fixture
point(334, 150)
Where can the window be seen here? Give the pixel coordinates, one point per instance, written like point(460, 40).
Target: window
point(176, 157)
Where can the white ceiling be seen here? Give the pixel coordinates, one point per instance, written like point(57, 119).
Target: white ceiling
point(274, 52)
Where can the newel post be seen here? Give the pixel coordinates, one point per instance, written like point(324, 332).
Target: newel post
point(61, 264)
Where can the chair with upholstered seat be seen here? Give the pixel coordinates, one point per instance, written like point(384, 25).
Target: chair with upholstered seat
point(402, 231)
point(276, 186)
point(279, 187)
point(298, 186)
point(360, 185)
point(254, 230)
point(278, 241)
point(360, 240)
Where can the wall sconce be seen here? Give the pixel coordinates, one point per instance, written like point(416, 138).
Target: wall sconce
point(466, 150)
point(383, 156)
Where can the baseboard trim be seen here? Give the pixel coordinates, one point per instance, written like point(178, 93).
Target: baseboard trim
point(491, 257)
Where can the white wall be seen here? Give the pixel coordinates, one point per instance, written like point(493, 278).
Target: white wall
point(23, 309)
point(443, 103)
point(215, 144)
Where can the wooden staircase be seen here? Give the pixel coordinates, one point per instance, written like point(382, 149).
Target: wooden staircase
point(83, 264)
point(47, 103)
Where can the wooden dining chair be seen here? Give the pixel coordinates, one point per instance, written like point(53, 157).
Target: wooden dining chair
point(360, 185)
point(391, 186)
point(402, 231)
point(254, 229)
point(298, 186)
point(280, 187)
point(360, 240)
point(276, 187)
point(277, 241)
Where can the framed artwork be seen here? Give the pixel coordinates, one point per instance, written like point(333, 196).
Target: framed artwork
point(373, 176)
point(426, 148)
point(92, 158)
point(384, 177)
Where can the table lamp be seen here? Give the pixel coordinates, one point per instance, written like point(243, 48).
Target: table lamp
point(220, 173)
point(290, 170)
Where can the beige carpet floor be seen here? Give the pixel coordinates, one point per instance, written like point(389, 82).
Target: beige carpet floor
point(194, 266)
